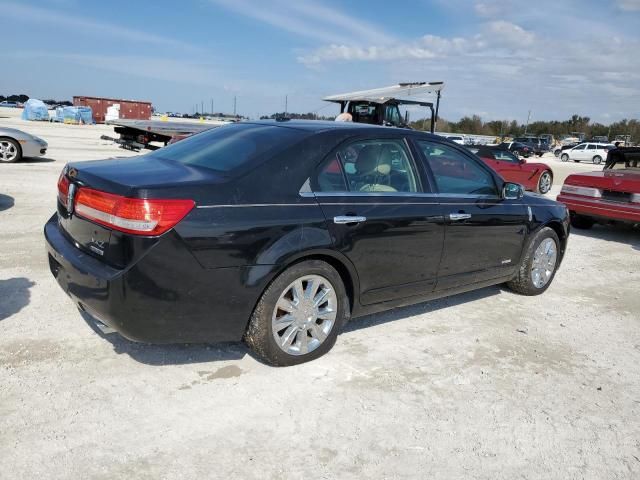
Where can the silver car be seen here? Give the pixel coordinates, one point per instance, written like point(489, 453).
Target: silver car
point(15, 144)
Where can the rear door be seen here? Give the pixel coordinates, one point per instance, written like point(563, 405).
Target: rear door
point(484, 233)
point(591, 151)
point(381, 216)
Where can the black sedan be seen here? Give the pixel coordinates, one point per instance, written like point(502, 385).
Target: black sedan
point(519, 148)
point(279, 232)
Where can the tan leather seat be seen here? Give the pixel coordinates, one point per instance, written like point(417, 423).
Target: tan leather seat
point(373, 168)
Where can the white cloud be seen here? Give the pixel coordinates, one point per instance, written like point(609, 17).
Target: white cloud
point(309, 20)
point(629, 5)
point(491, 8)
point(508, 34)
point(498, 34)
point(37, 15)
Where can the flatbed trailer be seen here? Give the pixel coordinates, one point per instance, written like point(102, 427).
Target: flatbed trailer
point(139, 134)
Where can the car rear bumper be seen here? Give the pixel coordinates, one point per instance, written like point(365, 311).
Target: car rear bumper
point(594, 207)
point(165, 297)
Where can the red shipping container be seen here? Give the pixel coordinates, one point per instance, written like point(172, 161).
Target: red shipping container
point(131, 109)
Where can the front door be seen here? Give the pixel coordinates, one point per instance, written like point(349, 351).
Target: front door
point(484, 234)
point(379, 217)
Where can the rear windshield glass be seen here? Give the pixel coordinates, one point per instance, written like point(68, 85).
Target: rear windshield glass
point(231, 146)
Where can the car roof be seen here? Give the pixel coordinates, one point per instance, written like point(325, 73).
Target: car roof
point(317, 126)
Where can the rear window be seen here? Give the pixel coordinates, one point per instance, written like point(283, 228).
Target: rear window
point(230, 147)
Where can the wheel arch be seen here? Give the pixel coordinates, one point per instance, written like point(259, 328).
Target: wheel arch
point(344, 267)
point(560, 231)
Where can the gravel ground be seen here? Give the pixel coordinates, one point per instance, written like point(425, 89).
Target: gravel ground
point(487, 384)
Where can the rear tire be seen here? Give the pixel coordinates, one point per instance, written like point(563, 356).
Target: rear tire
point(564, 157)
point(285, 328)
point(581, 222)
point(539, 264)
point(10, 150)
point(597, 160)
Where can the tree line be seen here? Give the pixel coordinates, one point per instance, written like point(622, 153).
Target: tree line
point(500, 128)
point(22, 98)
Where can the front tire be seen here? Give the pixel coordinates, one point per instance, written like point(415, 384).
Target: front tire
point(10, 150)
point(545, 182)
point(597, 160)
point(564, 157)
point(539, 264)
point(299, 315)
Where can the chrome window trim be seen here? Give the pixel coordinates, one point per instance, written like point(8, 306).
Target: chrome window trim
point(403, 195)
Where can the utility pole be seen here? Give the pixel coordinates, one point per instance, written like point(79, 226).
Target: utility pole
point(235, 99)
point(212, 106)
point(286, 101)
point(201, 107)
point(527, 125)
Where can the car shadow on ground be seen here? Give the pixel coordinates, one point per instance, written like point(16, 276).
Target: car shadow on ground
point(612, 233)
point(36, 160)
point(182, 354)
point(420, 308)
point(170, 354)
point(14, 295)
point(6, 202)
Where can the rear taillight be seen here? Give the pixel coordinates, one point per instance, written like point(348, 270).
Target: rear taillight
point(131, 215)
point(63, 189)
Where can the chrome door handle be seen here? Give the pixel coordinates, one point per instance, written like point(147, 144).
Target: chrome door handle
point(459, 216)
point(344, 219)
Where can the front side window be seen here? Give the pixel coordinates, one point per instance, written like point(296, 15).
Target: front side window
point(581, 146)
point(455, 172)
point(368, 166)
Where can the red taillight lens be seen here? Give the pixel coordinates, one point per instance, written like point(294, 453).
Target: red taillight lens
point(63, 189)
point(131, 215)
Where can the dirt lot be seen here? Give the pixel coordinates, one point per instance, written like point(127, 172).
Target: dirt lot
point(487, 384)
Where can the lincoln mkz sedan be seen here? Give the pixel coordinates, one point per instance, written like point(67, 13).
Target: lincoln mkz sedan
point(279, 232)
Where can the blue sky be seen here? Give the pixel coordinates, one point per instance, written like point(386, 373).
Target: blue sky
point(498, 58)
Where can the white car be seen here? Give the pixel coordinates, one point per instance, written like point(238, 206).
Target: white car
point(459, 139)
point(587, 151)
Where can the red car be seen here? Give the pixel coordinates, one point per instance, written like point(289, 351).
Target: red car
point(605, 196)
point(534, 176)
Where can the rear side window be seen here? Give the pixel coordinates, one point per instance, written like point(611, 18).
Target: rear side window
point(230, 147)
point(456, 173)
point(368, 166)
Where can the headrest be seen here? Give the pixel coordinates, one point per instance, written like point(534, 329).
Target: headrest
point(370, 161)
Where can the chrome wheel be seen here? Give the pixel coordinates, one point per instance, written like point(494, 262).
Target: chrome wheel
point(544, 262)
point(8, 151)
point(304, 315)
point(544, 184)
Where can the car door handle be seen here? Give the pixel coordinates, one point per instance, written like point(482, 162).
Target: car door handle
point(344, 219)
point(459, 216)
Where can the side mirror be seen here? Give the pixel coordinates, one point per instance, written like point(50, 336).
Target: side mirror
point(512, 191)
point(522, 159)
point(406, 117)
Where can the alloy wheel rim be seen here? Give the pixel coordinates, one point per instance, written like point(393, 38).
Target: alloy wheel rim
point(304, 315)
point(545, 183)
point(544, 262)
point(8, 151)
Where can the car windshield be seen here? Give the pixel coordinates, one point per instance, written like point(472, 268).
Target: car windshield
point(229, 147)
